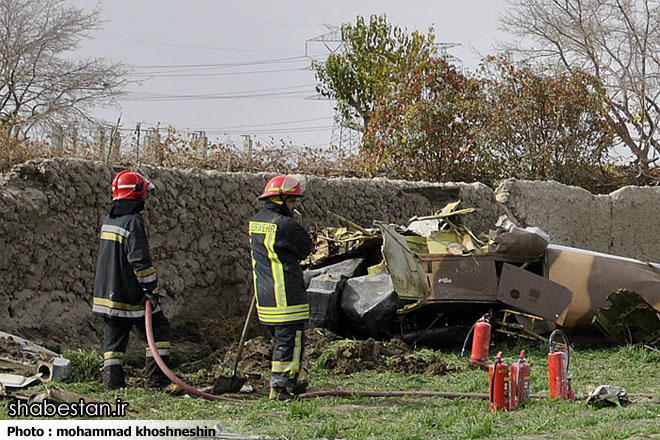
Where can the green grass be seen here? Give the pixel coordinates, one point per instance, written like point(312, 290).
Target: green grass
point(636, 369)
point(85, 365)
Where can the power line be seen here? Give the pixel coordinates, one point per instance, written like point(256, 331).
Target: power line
point(165, 95)
point(300, 90)
point(186, 46)
point(213, 19)
point(277, 130)
point(174, 75)
point(223, 65)
point(280, 95)
point(292, 130)
point(264, 125)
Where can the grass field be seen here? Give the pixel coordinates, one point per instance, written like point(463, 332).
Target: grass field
point(635, 368)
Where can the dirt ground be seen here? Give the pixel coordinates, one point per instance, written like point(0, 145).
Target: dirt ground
point(11, 350)
point(200, 362)
point(337, 355)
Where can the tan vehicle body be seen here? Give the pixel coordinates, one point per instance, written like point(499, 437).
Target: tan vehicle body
point(565, 286)
point(592, 276)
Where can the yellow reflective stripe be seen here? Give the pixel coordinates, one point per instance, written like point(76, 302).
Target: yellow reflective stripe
point(285, 367)
point(161, 344)
point(113, 354)
point(254, 270)
point(116, 229)
point(284, 318)
point(112, 237)
point(145, 272)
point(117, 305)
point(297, 351)
point(161, 351)
point(283, 310)
point(277, 270)
point(147, 275)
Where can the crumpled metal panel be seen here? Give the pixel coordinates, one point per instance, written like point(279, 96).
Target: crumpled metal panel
point(467, 278)
point(630, 319)
point(533, 294)
point(408, 275)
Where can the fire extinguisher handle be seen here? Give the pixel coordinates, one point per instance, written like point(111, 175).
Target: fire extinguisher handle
point(498, 359)
point(566, 343)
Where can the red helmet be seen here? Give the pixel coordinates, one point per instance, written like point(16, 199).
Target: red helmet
point(129, 185)
point(282, 186)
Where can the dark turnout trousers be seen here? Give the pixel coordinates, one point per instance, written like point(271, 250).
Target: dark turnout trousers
point(116, 332)
point(287, 354)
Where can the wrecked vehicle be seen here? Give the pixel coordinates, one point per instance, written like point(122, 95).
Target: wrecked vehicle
point(433, 279)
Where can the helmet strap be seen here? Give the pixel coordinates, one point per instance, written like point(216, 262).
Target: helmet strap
point(279, 200)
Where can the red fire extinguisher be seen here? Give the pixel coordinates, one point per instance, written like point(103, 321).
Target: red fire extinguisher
point(480, 341)
point(520, 378)
point(498, 389)
point(558, 363)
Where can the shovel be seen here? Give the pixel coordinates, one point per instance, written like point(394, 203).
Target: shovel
point(233, 383)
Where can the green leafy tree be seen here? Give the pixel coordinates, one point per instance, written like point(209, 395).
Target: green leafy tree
point(543, 125)
point(376, 58)
point(426, 130)
point(502, 122)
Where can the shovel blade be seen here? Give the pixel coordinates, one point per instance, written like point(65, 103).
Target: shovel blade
point(228, 384)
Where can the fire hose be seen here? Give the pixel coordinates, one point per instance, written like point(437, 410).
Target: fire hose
point(446, 395)
point(163, 367)
point(331, 393)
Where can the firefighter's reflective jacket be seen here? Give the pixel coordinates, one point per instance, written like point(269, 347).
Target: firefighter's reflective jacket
point(124, 272)
point(278, 244)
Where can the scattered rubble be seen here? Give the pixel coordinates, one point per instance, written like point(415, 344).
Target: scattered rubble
point(608, 395)
point(23, 364)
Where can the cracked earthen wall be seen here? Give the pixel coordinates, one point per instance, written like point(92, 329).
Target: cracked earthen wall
point(51, 212)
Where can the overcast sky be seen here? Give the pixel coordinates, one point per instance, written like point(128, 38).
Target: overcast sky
point(239, 68)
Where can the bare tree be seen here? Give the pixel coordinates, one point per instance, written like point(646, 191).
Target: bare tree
point(38, 84)
point(616, 40)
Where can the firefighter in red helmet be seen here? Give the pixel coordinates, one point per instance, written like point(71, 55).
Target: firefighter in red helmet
point(125, 280)
point(278, 244)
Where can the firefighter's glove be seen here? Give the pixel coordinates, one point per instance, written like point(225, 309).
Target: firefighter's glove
point(154, 297)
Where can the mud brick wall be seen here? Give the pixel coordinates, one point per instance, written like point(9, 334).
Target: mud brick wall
point(51, 212)
point(624, 222)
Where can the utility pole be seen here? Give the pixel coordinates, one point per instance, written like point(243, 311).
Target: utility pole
point(57, 137)
point(100, 141)
point(247, 145)
point(152, 143)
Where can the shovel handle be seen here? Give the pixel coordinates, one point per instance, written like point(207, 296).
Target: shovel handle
point(241, 342)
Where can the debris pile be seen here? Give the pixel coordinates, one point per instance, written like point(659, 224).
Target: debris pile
point(428, 281)
point(350, 356)
point(23, 363)
point(388, 281)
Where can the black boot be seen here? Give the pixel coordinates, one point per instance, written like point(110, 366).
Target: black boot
point(155, 379)
point(113, 377)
